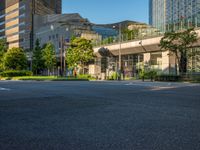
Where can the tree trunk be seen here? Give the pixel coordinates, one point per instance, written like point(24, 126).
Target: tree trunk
point(82, 66)
point(183, 63)
point(142, 78)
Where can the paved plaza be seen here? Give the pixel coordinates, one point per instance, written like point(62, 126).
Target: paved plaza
point(127, 115)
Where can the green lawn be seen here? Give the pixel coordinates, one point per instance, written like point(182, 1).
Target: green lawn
point(47, 78)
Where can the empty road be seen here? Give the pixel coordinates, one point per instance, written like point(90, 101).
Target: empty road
point(99, 116)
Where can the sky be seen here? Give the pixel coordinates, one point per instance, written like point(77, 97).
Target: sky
point(108, 11)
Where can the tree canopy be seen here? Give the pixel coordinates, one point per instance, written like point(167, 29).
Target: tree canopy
point(3, 50)
point(49, 56)
point(79, 52)
point(15, 59)
point(3, 45)
point(38, 63)
point(179, 43)
point(130, 34)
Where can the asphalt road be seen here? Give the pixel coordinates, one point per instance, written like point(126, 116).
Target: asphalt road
point(99, 116)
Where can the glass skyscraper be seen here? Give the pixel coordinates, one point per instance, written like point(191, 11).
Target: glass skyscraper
point(174, 14)
point(157, 13)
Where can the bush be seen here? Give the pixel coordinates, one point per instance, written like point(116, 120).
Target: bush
point(16, 73)
point(84, 76)
point(113, 76)
point(15, 59)
point(190, 77)
point(147, 74)
point(142, 74)
point(151, 74)
point(167, 78)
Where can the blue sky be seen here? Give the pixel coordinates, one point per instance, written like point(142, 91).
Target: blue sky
point(108, 11)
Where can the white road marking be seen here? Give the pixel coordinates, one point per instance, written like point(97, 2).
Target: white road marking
point(161, 88)
point(139, 84)
point(162, 85)
point(4, 89)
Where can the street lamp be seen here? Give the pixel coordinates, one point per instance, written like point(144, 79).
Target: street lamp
point(63, 53)
point(52, 31)
point(67, 30)
point(72, 24)
point(145, 50)
point(120, 55)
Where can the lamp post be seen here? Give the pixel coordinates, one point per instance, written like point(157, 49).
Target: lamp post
point(61, 56)
point(52, 31)
point(120, 55)
point(120, 46)
point(64, 43)
point(145, 50)
point(72, 24)
point(67, 30)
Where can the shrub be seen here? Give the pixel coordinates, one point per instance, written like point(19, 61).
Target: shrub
point(167, 78)
point(16, 73)
point(190, 77)
point(113, 76)
point(151, 74)
point(142, 74)
point(84, 76)
point(15, 59)
point(147, 74)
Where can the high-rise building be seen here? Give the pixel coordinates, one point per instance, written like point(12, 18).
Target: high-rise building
point(16, 19)
point(157, 14)
point(45, 7)
point(182, 14)
point(174, 14)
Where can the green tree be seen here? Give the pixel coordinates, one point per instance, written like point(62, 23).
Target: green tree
point(3, 50)
point(108, 40)
point(179, 43)
point(49, 56)
point(130, 34)
point(38, 63)
point(80, 52)
point(15, 59)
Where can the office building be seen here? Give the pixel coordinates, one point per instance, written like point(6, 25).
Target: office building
point(54, 28)
point(182, 14)
point(16, 19)
point(168, 15)
point(157, 14)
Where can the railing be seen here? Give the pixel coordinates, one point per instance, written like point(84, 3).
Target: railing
point(125, 38)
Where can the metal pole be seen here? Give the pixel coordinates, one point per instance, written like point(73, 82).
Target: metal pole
point(175, 65)
point(120, 42)
point(64, 56)
point(196, 22)
point(61, 55)
point(138, 65)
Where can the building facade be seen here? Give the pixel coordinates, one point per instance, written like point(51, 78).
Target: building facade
point(16, 20)
point(157, 14)
point(168, 15)
point(141, 55)
point(54, 28)
point(44, 7)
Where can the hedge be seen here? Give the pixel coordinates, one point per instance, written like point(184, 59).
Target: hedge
point(148, 74)
point(16, 73)
point(167, 78)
